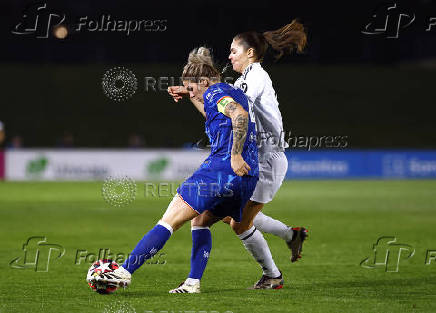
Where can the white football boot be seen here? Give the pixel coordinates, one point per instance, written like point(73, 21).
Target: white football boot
point(121, 277)
point(187, 287)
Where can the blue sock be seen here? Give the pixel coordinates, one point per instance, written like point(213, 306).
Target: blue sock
point(201, 246)
point(148, 246)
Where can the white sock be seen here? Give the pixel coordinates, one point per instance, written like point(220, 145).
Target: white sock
point(166, 225)
point(267, 224)
point(255, 243)
point(192, 281)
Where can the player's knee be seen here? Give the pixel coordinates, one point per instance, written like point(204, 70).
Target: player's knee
point(234, 226)
point(197, 221)
point(206, 219)
point(178, 213)
point(255, 203)
point(238, 228)
point(175, 224)
point(227, 220)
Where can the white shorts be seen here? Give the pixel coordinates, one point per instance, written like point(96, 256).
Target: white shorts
point(272, 172)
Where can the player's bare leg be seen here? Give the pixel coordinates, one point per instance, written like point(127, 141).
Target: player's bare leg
point(250, 211)
point(178, 213)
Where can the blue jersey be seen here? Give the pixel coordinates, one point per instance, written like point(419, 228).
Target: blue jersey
point(219, 127)
point(214, 186)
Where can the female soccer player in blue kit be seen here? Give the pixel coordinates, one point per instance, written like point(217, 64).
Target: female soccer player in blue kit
point(246, 54)
point(224, 182)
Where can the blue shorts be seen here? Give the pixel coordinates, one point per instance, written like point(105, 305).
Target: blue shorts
point(222, 192)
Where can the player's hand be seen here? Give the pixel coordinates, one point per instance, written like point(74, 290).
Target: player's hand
point(239, 166)
point(177, 92)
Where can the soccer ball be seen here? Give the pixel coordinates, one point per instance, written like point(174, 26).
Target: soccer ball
point(101, 266)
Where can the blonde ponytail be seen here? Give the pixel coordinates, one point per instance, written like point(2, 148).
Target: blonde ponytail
point(200, 64)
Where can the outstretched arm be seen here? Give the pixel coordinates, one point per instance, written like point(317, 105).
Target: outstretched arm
point(178, 92)
point(240, 126)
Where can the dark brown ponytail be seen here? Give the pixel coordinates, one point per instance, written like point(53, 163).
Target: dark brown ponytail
point(287, 39)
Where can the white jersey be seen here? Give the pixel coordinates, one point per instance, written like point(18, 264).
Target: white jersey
point(257, 86)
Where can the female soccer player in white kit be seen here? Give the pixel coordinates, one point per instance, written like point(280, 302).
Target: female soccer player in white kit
point(246, 52)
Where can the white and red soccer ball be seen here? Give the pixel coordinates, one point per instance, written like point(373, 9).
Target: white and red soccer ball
point(99, 267)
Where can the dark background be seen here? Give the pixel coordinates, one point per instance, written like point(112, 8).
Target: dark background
point(377, 91)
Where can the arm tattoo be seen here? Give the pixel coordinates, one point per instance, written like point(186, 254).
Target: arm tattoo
point(230, 108)
point(239, 124)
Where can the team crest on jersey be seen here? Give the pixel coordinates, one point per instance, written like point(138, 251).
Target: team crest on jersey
point(213, 93)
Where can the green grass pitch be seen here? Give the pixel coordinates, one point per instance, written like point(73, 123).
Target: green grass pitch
point(345, 219)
